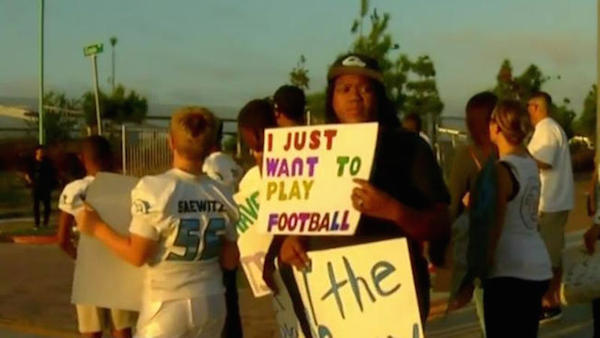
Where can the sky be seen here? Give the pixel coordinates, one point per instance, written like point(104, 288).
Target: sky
point(224, 53)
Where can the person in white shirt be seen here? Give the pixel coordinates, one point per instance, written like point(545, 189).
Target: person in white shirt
point(222, 168)
point(520, 271)
point(96, 156)
point(549, 147)
point(183, 228)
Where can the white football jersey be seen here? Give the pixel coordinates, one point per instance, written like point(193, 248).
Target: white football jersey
point(221, 167)
point(187, 215)
point(73, 195)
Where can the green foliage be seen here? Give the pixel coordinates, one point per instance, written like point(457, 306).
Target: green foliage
point(586, 123)
point(315, 103)
point(422, 95)
point(521, 87)
point(411, 85)
point(59, 116)
point(564, 115)
point(299, 75)
point(121, 106)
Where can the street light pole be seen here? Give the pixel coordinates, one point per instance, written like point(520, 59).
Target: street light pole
point(597, 84)
point(113, 42)
point(95, 76)
point(41, 129)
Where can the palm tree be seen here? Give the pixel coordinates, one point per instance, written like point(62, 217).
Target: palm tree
point(113, 42)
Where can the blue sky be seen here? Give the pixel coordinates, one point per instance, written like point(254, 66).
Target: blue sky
point(226, 52)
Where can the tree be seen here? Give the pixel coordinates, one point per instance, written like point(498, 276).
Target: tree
point(315, 103)
point(59, 116)
point(521, 87)
point(411, 85)
point(121, 106)
point(564, 115)
point(422, 96)
point(586, 123)
point(299, 75)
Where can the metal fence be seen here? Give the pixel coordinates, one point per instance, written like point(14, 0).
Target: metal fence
point(144, 150)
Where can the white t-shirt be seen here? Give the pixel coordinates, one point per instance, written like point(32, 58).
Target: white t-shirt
point(521, 252)
point(73, 195)
point(187, 215)
point(549, 144)
point(221, 167)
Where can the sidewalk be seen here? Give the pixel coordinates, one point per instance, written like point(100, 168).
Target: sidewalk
point(35, 297)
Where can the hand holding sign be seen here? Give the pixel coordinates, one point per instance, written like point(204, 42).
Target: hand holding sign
point(87, 220)
point(307, 178)
point(293, 252)
point(373, 202)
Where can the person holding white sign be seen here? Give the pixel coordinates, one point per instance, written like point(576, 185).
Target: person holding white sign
point(521, 269)
point(253, 119)
point(405, 196)
point(182, 227)
point(96, 156)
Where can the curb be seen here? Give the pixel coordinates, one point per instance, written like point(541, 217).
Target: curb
point(27, 328)
point(34, 239)
point(437, 309)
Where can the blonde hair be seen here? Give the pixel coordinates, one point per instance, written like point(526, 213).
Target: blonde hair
point(194, 132)
point(512, 120)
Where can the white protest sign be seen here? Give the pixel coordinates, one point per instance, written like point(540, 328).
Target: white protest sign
point(101, 278)
point(307, 177)
point(365, 290)
point(253, 248)
point(253, 245)
point(289, 327)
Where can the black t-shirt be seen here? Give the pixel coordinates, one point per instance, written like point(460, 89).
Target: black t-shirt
point(404, 167)
point(43, 175)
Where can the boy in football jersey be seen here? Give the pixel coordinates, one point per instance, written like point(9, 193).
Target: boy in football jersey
point(92, 320)
point(182, 226)
point(222, 168)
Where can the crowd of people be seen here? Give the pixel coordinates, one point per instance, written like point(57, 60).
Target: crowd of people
point(524, 190)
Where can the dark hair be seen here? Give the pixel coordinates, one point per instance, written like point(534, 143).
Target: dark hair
point(414, 117)
point(512, 120)
point(543, 95)
point(386, 112)
point(479, 113)
point(290, 101)
point(256, 116)
point(97, 149)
